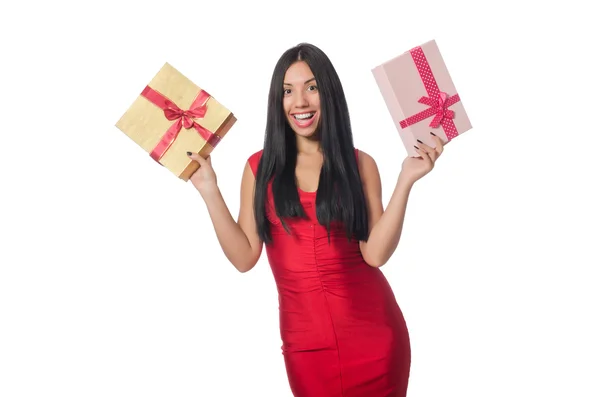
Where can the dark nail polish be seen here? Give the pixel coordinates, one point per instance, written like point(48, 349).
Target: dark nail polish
point(416, 147)
point(418, 140)
point(432, 133)
point(189, 153)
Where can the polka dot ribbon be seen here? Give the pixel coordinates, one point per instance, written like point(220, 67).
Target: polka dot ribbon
point(437, 101)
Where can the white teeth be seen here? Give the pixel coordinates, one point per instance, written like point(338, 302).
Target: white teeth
point(304, 116)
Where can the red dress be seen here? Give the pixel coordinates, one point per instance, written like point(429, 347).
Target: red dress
point(343, 332)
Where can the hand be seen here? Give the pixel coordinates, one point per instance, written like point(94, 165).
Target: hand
point(414, 168)
point(204, 178)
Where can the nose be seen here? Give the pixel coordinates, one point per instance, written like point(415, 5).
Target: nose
point(300, 99)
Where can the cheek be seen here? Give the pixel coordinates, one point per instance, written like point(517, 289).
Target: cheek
point(286, 105)
point(316, 103)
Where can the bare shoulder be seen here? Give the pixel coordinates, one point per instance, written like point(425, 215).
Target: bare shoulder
point(246, 218)
point(367, 166)
point(371, 182)
point(253, 160)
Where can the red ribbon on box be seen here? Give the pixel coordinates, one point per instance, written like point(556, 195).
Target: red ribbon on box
point(437, 100)
point(184, 118)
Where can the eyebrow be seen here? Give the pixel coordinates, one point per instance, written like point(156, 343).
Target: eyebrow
point(307, 81)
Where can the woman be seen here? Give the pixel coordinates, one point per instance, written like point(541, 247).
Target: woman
point(314, 201)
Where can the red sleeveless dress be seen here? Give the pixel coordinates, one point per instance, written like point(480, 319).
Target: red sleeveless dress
point(343, 332)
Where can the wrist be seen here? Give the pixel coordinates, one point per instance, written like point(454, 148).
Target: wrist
point(209, 190)
point(404, 182)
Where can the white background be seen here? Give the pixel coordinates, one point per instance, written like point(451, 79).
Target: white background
point(112, 282)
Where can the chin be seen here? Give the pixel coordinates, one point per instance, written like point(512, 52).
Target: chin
point(304, 133)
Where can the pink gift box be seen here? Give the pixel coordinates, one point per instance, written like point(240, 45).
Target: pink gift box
point(420, 96)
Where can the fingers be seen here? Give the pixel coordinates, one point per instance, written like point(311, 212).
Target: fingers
point(428, 150)
point(439, 144)
point(424, 155)
point(198, 158)
point(432, 152)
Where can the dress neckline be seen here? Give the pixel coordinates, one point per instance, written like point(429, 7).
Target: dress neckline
point(306, 192)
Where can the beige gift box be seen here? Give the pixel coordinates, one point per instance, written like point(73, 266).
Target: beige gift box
point(173, 116)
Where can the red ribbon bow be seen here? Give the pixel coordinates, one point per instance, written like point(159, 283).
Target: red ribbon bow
point(172, 112)
point(185, 118)
point(440, 106)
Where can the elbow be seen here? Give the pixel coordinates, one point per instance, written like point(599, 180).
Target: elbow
point(244, 269)
point(374, 260)
point(377, 263)
point(245, 266)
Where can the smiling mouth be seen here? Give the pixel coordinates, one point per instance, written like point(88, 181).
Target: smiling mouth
point(304, 116)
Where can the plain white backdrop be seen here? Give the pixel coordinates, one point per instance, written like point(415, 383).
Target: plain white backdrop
point(112, 282)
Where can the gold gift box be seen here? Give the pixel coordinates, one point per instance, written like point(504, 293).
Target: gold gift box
point(146, 123)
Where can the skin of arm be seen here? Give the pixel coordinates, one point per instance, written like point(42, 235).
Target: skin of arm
point(385, 227)
point(238, 239)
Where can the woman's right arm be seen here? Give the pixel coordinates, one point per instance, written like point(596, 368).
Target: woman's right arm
point(239, 240)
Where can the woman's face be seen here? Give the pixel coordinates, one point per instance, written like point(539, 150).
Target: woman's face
point(301, 102)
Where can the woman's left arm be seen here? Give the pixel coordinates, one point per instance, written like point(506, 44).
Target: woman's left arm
point(385, 227)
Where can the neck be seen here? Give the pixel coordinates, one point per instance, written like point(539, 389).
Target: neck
point(307, 145)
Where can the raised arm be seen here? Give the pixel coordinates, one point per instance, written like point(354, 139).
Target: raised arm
point(385, 227)
point(238, 239)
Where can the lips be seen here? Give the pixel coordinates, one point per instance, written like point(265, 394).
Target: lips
point(303, 120)
point(303, 116)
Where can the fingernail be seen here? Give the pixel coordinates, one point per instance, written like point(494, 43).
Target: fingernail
point(189, 153)
point(418, 140)
point(432, 133)
point(416, 147)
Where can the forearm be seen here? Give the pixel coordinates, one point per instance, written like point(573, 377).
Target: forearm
point(231, 237)
point(385, 234)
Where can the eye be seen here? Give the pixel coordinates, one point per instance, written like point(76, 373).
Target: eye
point(287, 91)
point(312, 88)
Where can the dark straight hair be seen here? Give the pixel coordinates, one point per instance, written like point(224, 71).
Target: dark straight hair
point(340, 196)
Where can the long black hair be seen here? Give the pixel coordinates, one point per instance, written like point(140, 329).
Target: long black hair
point(340, 195)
